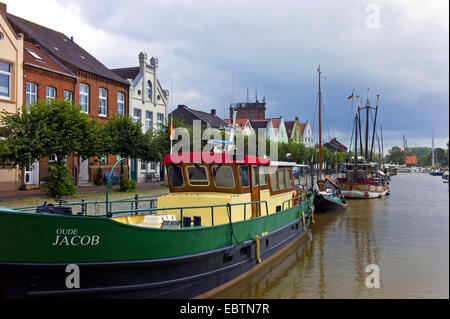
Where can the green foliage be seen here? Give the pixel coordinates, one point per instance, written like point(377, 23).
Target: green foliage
point(43, 129)
point(127, 184)
point(59, 184)
point(98, 180)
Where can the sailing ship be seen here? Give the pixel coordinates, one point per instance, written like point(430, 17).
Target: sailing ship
point(363, 178)
point(327, 194)
point(223, 217)
point(435, 170)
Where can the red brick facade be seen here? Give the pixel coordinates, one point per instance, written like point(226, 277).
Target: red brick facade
point(46, 78)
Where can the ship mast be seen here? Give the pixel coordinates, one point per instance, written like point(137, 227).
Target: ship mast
point(367, 107)
point(432, 148)
point(320, 126)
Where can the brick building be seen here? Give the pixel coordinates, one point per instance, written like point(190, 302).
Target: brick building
point(250, 110)
point(59, 68)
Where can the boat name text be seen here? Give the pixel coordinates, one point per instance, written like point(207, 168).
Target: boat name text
point(70, 237)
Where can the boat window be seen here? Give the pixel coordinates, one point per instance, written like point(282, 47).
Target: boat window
point(197, 175)
point(243, 175)
point(281, 180)
point(262, 176)
point(223, 176)
point(176, 176)
point(273, 179)
point(254, 175)
point(288, 178)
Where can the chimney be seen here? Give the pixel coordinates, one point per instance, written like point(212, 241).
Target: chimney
point(3, 7)
point(71, 39)
point(213, 111)
point(296, 118)
point(181, 106)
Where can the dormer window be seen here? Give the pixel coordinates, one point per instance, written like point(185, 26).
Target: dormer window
point(34, 55)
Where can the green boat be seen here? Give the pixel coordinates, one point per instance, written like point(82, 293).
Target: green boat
point(53, 252)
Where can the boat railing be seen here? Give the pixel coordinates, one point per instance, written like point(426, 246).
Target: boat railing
point(134, 209)
point(299, 198)
point(183, 209)
point(98, 208)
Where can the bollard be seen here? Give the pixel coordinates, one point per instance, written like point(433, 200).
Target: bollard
point(186, 221)
point(83, 207)
point(97, 208)
point(197, 220)
point(136, 203)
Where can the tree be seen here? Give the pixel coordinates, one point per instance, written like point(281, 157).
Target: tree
point(395, 155)
point(44, 129)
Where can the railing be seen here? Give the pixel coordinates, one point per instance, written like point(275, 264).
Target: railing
point(299, 197)
point(152, 209)
point(86, 208)
point(182, 209)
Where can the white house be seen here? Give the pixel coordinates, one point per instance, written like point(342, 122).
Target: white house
point(148, 105)
point(307, 134)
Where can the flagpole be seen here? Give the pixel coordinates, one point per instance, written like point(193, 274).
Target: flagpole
point(171, 117)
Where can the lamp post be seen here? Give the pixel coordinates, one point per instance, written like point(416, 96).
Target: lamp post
point(109, 185)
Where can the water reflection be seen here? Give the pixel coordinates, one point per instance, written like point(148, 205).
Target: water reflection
point(405, 234)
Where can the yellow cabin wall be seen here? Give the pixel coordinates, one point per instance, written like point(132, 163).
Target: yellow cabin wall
point(190, 199)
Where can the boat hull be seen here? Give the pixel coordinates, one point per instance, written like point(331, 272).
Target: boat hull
point(328, 203)
point(183, 276)
point(357, 194)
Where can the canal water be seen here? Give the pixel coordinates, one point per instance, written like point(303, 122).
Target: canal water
point(406, 235)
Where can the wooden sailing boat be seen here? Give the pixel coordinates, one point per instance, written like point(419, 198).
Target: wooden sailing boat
point(327, 194)
point(364, 178)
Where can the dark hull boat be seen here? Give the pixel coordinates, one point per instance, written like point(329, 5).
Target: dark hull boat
point(122, 255)
point(324, 203)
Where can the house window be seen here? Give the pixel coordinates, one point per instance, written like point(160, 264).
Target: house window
point(120, 103)
point(159, 120)
point(102, 101)
point(148, 120)
point(5, 79)
point(68, 96)
point(84, 97)
point(50, 93)
point(53, 158)
point(103, 160)
point(148, 90)
point(34, 55)
point(30, 93)
point(137, 115)
point(143, 166)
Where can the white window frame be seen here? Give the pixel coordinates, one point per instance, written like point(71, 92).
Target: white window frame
point(9, 75)
point(159, 122)
point(101, 99)
point(148, 121)
point(47, 90)
point(67, 94)
point(120, 110)
point(30, 96)
point(135, 118)
point(87, 97)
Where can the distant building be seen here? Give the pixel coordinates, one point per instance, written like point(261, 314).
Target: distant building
point(243, 126)
point(69, 73)
point(307, 135)
point(250, 110)
point(293, 131)
point(148, 105)
point(188, 115)
point(335, 146)
point(410, 160)
point(11, 85)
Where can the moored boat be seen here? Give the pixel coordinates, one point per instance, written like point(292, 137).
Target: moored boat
point(243, 212)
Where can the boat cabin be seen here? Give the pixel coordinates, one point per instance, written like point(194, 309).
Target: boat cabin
point(363, 174)
point(205, 179)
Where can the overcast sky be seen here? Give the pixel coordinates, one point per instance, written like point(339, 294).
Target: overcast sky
point(212, 51)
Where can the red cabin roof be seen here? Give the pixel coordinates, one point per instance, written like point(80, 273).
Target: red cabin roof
point(204, 157)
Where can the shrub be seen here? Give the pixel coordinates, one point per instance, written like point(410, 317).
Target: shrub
point(127, 184)
point(98, 180)
point(59, 183)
